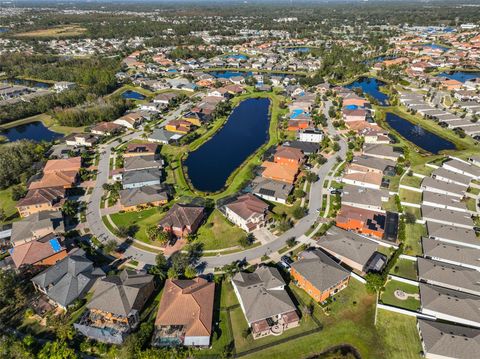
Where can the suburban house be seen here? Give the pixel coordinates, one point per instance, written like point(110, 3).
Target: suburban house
point(444, 340)
point(174, 324)
point(451, 253)
point(81, 139)
point(364, 163)
point(106, 129)
point(36, 226)
point(68, 280)
point(370, 180)
point(182, 219)
point(160, 135)
point(448, 276)
point(447, 217)
point(383, 151)
point(364, 198)
point(179, 126)
point(445, 175)
point(362, 221)
point(130, 120)
point(313, 135)
point(140, 149)
point(463, 168)
point(289, 156)
point(353, 115)
point(135, 163)
point(141, 178)
point(59, 173)
point(41, 199)
point(114, 309)
point(279, 172)
point(138, 198)
point(450, 305)
point(453, 235)
point(265, 303)
point(437, 186)
point(443, 201)
point(40, 252)
point(248, 212)
point(349, 248)
point(319, 275)
point(271, 190)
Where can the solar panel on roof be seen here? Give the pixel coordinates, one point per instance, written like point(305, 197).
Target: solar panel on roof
point(55, 245)
point(266, 192)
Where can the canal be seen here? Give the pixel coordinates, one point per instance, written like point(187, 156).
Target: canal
point(419, 136)
point(35, 131)
point(244, 132)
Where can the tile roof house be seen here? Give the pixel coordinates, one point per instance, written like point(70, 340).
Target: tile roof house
point(443, 340)
point(69, 279)
point(114, 309)
point(106, 128)
point(185, 313)
point(248, 212)
point(40, 252)
point(319, 275)
point(140, 149)
point(41, 199)
point(130, 120)
point(182, 220)
point(279, 172)
point(136, 198)
point(362, 221)
point(289, 156)
point(450, 305)
point(265, 303)
point(59, 173)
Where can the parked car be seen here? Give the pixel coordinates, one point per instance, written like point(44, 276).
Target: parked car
point(286, 262)
point(335, 191)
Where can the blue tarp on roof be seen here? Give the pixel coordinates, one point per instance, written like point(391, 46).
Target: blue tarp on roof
point(55, 245)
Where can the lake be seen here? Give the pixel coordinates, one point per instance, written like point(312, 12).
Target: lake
point(371, 86)
point(461, 76)
point(245, 131)
point(297, 49)
point(418, 135)
point(436, 47)
point(29, 83)
point(229, 74)
point(132, 95)
point(35, 131)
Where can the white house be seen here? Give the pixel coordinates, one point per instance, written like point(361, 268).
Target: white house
point(310, 135)
point(248, 212)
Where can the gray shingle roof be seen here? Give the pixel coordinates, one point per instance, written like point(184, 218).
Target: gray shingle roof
point(450, 233)
point(448, 340)
point(143, 195)
point(450, 302)
point(262, 294)
point(24, 230)
point(451, 252)
point(320, 270)
point(142, 162)
point(140, 176)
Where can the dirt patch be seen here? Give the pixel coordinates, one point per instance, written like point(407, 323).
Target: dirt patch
point(58, 31)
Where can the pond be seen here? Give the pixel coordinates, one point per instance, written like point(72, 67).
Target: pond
point(239, 57)
point(245, 131)
point(29, 83)
point(229, 74)
point(35, 131)
point(461, 76)
point(132, 95)
point(371, 86)
point(418, 135)
point(436, 47)
point(297, 49)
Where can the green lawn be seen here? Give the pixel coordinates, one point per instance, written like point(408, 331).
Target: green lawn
point(412, 181)
point(141, 219)
point(218, 232)
point(388, 296)
point(409, 196)
point(349, 321)
point(399, 335)
point(471, 204)
point(413, 234)
point(7, 204)
point(405, 268)
point(390, 205)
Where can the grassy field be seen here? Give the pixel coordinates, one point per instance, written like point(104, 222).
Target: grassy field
point(405, 268)
point(57, 31)
point(7, 204)
point(411, 181)
point(409, 196)
point(413, 233)
point(218, 232)
point(388, 296)
point(141, 219)
point(399, 335)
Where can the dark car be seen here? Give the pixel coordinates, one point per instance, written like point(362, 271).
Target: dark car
point(286, 262)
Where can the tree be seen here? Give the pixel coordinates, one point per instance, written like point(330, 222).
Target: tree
point(298, 212)
point(410, 218)
point(109, 246)
point(284, 224)
point(161, 266)
point(374, 283)
point(70, 208)
point(3, 216)
point(299, 193)
point(311, 177)
point(8, 284)
point(291, 242)
point(122, 231)
point(172, 273)
point(57, 350)
point(190, 272)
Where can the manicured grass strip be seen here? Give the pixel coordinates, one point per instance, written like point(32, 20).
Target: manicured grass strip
point(413, 234)
point(218, 232)
point(405, 268)
point(388, 297)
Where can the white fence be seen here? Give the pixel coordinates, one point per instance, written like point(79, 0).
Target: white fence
point(408, 204)
point(410, 188)
point(405, 311)
point(357, 277)
point(407, 257)
point(404, 280)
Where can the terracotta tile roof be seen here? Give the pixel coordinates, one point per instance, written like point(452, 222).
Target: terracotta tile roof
point(289, 153)
point(188, 303)
point(141, 148)
point(42, 195)
point(55, 179)
point(63, 165)
point(180, 216)
point(366, 177)
point(36, 251)
point(106, 127)
point(279, 172)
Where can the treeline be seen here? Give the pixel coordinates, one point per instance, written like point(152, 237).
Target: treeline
point(17, 161)
point(187, 53)
point(101, 110)
point(342, 63)
point(96, 74)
